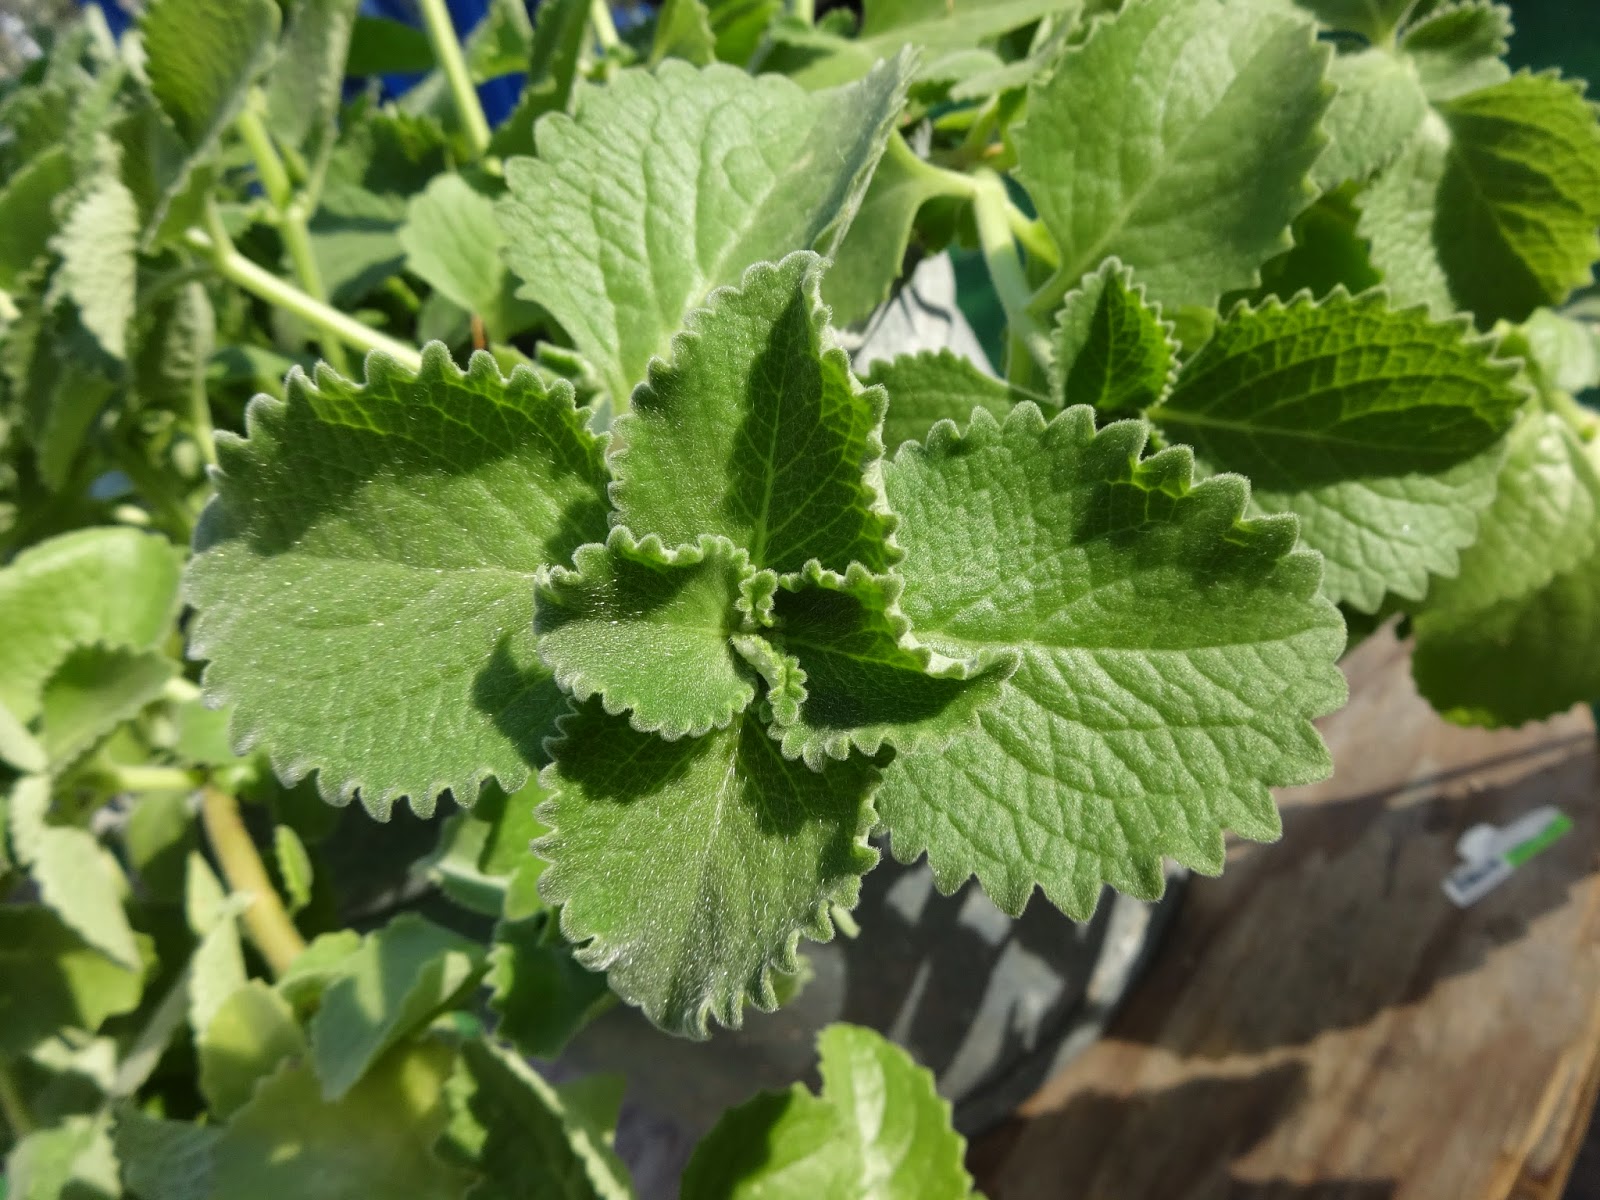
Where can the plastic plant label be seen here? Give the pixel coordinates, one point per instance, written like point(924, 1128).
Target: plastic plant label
point(1492, 853)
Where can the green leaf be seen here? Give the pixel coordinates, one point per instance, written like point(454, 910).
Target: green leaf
point(1510, 639)
point(867, 681)
point(1377, 110)
point(20, 749)
point(70, 1161)
point(683, 30)
point(878, 1131)
point(559, 33)
point(216, 971)
point(515, 1128)
point(403, 974)
point(97, 245)
point(936, 386)
point(113, 587)
point(757, 432)
point(74, 875)
point(689, 869)
point(646, 629)
point(251, 1034)
point(1563, 352)
point(1173, 656)
point(1494, 205)
point(873, 252)
point(323, 963)
point(542, 993)
point(1112, 349)
point(294, 866)
point(159, 837)
point(1178, 137)
point(165, 1160)
point(1374, 20)
point(27, 212)
point(741, 26)
point(1457, 48)
point(453, 243)
point(201, 57)
point(501, 42)
point(51, 979)
point(364, 577)
point(174, 354)
point(383, 46)
point(375, 1141)
point(303, 92)
point(61, 378)
point(738, 170)
point(1328, 254)
point(94, 691)
point(1377, 426)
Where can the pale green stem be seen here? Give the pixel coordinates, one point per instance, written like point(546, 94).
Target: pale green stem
point(266, 920)
point(806, 10)
point(240, 271)
point(146, 779)
point(1582, 421)
point(180, 691)
point(13, 1107)
point(297, 240)
point(991, 213)
point(447, 48)
point(1032, 236)
point(605, 29)
point(269, 167)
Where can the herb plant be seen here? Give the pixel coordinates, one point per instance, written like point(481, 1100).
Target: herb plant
point(522, 463)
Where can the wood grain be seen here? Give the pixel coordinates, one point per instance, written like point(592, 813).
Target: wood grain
point(1323, 1024)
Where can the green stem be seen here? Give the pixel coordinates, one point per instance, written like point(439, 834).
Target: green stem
point(991, 213)
point(269, 167)
point(605, 29)
point(297, 240)
point(13, 1107)
point(146, 779)
point(1582, 421)
point(266, 920)
point(240, 271)
point(447, 48)
point(806, 10)
point(1032, 236)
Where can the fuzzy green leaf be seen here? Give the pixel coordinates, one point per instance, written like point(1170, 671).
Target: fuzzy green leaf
point(646, 629)
point(1374, 20)
point(937, 386)
point(303, 91)
point(878, 1131)
point(867, 681)
point(1377, 427)
point(1377, 110)
point(252, 1032)
point(112, 587)
point(51, 979)
point(514, 1127)
point(1494, 205)
point(559, 33)
point(760, 849)
point(1457, 47)
point(364, 577)
point(27, 214)
point(741, 27)
point(453, 243)
point(1511, 638)
point(756, 431)
point(1178, 137)
point(201, 57)
point(73, 1160)
point(97, 245)
point(165, 1160)
point(94, 691)
point(683, 30)
point(294, 867)
point(542, 993)
point(1173, 656)
point(403, 974)
point(1112, 349)
point(375, 1141)
point(669, 185)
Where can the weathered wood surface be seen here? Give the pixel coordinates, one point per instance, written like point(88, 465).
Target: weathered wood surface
point(1323, 1024)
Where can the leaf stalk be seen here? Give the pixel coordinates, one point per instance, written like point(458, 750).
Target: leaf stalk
point(447, 49)
point(13, 1107)
point(605, 29)
point(991, 212)
point(266, 921)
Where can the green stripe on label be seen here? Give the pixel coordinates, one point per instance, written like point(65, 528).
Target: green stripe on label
point(1523, 851)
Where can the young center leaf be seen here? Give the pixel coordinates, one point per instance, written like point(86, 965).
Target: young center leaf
point(866, 680)
point(646, 628)
point(757, 432)
point(1112, 349)
point(689, 869)
point(1173, 654)
point(879, 1129)
point(937, 385)
point(1178, 137)
point(1493, 206)
point(364, 577)
point(666, 186)
point(1379, 428)
point(1459, 47)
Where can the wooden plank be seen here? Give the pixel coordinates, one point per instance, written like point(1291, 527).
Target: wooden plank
point(1323, 1023)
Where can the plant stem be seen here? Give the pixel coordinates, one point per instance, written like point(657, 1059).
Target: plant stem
point(991, 212)
point(13, 1107)
point(146, 779)
point(266, 920)
point(240, 271)
point(297, 240)
point(605, 29)
point(447, 48)
point(806, 10)
point(269, 167)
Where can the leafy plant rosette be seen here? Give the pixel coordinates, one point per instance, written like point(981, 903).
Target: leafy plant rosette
point(533, 473)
